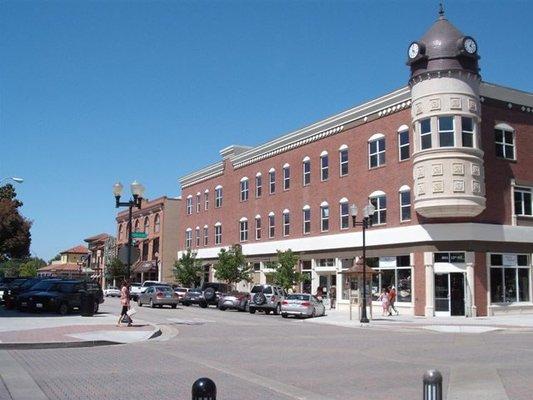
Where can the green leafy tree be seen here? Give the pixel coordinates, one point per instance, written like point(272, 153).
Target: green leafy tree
point(15, 235)
point(285, 275)
point(232, 267)
point(115, 270)
point(188, 269)
point(31, 266)
point(56, 258)
point(10, 268)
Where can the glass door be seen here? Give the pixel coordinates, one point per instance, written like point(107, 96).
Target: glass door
point(442, 294)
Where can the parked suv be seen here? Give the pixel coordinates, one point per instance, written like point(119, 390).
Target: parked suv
point(266, 298)
point(212, 292)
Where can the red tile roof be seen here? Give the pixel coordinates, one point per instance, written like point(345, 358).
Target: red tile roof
point(76, 250)
point(60, 267)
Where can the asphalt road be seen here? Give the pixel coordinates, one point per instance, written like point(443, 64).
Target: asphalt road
point(269, 358)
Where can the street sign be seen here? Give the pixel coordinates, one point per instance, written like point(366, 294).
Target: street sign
point(123, 254)
point(139, 235)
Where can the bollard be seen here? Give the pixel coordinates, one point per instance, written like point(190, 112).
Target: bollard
point(432, 385)
point(204, 389)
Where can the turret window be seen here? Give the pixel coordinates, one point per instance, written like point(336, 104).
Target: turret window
point(504, 141)
point(425, 134)
point(446, 131)
point(467, 126)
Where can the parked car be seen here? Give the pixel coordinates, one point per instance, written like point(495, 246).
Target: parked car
point(18, 287)
point(4, 285)
point(112, 291)
point(212, 291)
point(302, 305)
point(158, 296)
point(135, 290)
point(266, 298)
point(193, 296)
point(234, 301)
point(61, 296)
point(180, 291)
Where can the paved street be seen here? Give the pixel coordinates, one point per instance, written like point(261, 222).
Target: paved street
point(267, 357)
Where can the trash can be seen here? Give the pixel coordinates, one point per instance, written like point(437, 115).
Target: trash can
point(87, 304)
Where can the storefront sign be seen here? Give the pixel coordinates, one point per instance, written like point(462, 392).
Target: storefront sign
point(509, 260)
point(387, 262)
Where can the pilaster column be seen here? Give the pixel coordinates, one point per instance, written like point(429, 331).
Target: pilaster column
point(470, 288)
point(430, 285)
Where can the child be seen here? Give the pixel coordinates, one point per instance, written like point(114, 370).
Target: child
point(384, 298)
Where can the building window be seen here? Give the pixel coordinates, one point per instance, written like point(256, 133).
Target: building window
point(206, 201)
point(405, 204)
point(243, 229)
point(393, 271)
point(509, 278)
point(218, 233)
point(257, 227)
point(344, 211)
point(504, 141)
point(306, 219)
point(446, 131)
point(286, 223)
point(218, 197)
point(324, 217)
point(146, 224)
point(137, 225)
point(244, 189)
point(467, 131)
point(522, 201)
point(379, 201)
point(258, 185)
point(306, 171)
point(189, 205)
point(403, 143)
point(206, 235)
point(197, 232)
point(449, 257)
point(272, 181)
point(324, 166)
point(271, 225)
point(120, 231)
point(343, 160)
point(376, 152)
point(198, 202)
point(157, 223)
point(425, 134)
point(325, 262)
point(188, 238)
point(286, 177)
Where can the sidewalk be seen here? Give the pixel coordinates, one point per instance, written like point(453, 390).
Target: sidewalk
point(31, 330)
point(520, 322)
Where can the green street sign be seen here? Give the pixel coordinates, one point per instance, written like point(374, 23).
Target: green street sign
point(139, 235)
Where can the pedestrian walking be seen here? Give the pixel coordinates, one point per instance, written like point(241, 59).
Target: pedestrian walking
point(125, 302)
point(333, 296)
point(392, 299)
point(319, 293)
point(384, 298)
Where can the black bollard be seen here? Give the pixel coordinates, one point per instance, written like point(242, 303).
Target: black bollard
point(432, 385)
point(204, 389)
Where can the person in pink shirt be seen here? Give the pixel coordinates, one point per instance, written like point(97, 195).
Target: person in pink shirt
point(125, 301)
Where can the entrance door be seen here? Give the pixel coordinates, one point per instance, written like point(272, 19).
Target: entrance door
point(449, 294)
point(457, 293)
point(442, 295)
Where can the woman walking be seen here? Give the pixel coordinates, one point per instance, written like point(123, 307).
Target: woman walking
point(125, 301)
point(385, 301)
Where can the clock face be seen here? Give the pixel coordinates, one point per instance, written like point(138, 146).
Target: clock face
point(413, 50)
point(470, 45)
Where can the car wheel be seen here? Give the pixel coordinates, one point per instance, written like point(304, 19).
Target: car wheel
point(203, 305)
point(259, 298)
point(63, 309)
point(252, 310)
point(210, 294)
point(186, 304)
point(174, 305)
point(313, 314)
point(284, 315)
point(139, 303)
point(152, 303)
point(96, 307)
point(267, 312)
point(222, 308)
point(277, 311)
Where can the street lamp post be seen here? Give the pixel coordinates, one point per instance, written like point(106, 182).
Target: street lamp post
point(137, 191)
point(366, 223)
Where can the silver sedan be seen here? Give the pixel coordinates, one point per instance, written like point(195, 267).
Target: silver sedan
point(302, 305)
point(158, 296)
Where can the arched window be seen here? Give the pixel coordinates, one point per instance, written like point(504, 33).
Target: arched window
point(272, 180)
point(245, 188)
point(218, 196)
point(286, 177)
point(344, 212)
point(376, 150)
point(188, 238)
point(137, 225)
point(258, 227)
point(286, 222)
point(405, 203)
point(403, 143)
point(343, 160)
point(120, 231)
point(197, 236)
point(218, 233)
point(157, 223)
point(206, 235)
point(146, 224)
point(324, 216)
point(258, 185)
point(306, 217)
point(189, 204)
point(504, 140)
point(379, 200)
point(306, 171)
point(324, 166)
point(243, 224)
point(271, 225)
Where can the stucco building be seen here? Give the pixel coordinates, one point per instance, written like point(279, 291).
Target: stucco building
point(72, 264)
point(445, 160)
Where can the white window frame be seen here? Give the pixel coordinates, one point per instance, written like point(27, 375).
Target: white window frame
point(218, 196)
point(189, 204)
point(286, 177)
point(243, 230)
point(424, 134)
point(306, 175)
point(245, 189)
point(272, 181)
point(446, 132)
point(324, 166)
point(464, 132)
point(522, 190)
point(198, 202)
point(404, 129)
point(206, 235)
point(218, 233)
point(306, 220)
point(206, 200)
point(197, 236)
point(188, 238)
point(376, 199)
point(258, 185)
point(286, 223)
point(509, 129)
point(343, 150)
point(324, 216)
point(344, 214)
point(258, 227)
point(405, 189)
point(516, 267)
point(381, 148)
point(271, 225)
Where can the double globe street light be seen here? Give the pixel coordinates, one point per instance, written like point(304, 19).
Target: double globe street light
point(366, 222)
point(137, 191)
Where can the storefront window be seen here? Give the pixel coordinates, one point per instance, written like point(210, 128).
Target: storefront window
point(509, 278)
point(393, 271)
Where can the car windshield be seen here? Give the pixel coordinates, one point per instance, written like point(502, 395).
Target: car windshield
point(66, 287)
point(195, 290)
point(261, 289)
point(163, 289)
point(29, 283)
point(148, 284)
point(132, 285)
point(304, 297)
point(44, 285)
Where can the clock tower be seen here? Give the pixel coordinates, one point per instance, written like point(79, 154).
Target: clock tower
point(448, 167)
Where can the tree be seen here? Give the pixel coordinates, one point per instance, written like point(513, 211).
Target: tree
point(232, 266)
point(56, 258)
point(10, 268)
point(30, 267)
point(188, 269)
point(284, 273)
point(115, 270)
point(15, 235)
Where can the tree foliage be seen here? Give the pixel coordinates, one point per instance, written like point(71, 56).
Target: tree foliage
point(56, 258)
point(115, 270)
point(26, 267)
point(285, 275)
point(31, 266)
point(15, 235)
point(188, 269)
point(232, 267)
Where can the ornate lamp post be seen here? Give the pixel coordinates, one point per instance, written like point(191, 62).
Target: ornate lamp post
point(366, 223)
point(137, 191)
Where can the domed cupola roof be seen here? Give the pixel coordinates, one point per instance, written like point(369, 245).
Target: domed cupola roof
point(443, 48)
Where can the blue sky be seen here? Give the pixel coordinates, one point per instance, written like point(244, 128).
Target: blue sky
point(95, 92)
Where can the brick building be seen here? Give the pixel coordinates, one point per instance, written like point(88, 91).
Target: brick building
point(157, 218)
point(445, 160)
point(98, 245)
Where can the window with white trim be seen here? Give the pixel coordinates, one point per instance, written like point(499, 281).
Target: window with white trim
point(206, 201)
point(218, 197)
point(197, 236)
point(393, 271)
point(258, 186)
point(272, 181)
point(467, 131)
point(188, 238)
point(376, 152)
point(405, 205)
point(425, 133)
point(403, 145)
point(198, 203)
point(509, 278)
point(206, 235)
point(324, 217)
point(243, 223)
point(257, 228)
point(271, 225)
point(286, 223)
point(380, 214)
point(306, 220)
point(446, 128)
point(306, 171)
point(344, 211)
point(146, 224)
point(286, 177)
point(504, 142)
point(522, 201)
point(244, 189)
point(189, 205)
point(218, 234)
point(324, 166)
point(157, 223)
point(343, 160)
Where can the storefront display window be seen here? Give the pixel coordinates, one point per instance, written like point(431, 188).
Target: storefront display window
point(393, 271)
point(509, 278)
